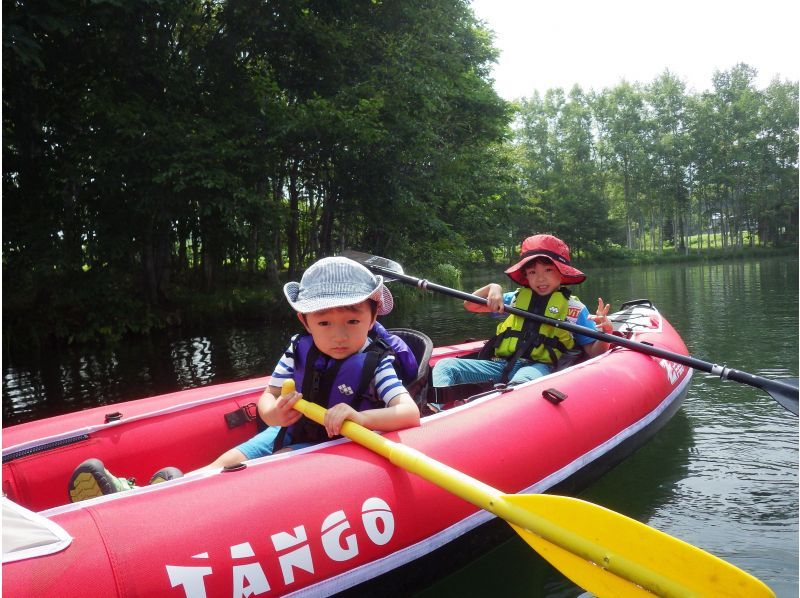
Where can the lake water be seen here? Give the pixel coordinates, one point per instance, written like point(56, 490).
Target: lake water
point(722, 475)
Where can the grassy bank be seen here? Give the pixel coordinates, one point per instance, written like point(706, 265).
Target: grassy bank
point(627, 257)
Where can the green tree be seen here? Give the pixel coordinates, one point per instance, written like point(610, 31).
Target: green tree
point(666, 98)
point(622, 141)
point(777, 199)
point(560, 174)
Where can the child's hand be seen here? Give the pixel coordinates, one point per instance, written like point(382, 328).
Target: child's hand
point(601, 316)
point(285, 414)
point(494, 298)
point(337, 415)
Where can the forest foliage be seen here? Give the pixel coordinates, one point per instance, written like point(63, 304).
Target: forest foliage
point(155, 151)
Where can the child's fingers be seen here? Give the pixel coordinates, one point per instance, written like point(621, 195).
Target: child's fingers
point(602, 308)
point(285, 404)
point(335, 418)
point(333, 424)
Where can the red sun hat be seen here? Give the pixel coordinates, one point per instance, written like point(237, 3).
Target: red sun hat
point(550, 247)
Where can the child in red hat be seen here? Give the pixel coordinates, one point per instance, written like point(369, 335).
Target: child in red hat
point(523, 348)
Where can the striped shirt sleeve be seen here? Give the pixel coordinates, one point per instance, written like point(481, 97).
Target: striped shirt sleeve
point(284, 369)
point(386, 383)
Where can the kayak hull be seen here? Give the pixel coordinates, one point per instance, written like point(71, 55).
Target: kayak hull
point(334, 517)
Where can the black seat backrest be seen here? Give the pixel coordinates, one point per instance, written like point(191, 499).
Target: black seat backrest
point(422, 347)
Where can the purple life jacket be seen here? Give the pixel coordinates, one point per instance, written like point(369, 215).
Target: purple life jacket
point(329, 381)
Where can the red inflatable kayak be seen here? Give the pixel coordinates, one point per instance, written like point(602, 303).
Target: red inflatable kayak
point(329, 518)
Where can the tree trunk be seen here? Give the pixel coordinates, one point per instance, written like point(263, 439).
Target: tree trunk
point(294, 219)
point(627, 200)
point(327, 218)
point(252, 248)
point(274, 260)
point(209, 252)
point(181, 259)
point(156, 260)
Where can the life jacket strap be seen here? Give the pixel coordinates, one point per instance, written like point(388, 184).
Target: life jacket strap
point(528, 338)
point(375, 352)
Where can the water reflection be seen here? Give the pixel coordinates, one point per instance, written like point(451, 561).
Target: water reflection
point(192, 361)
point(46, 385)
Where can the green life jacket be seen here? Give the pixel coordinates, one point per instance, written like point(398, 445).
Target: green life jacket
point(519, 337)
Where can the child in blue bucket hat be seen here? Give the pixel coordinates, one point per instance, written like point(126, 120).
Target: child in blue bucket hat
point(345, 361)
point(338, 301)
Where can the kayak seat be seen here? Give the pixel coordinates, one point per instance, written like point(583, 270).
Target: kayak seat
point(422, 347)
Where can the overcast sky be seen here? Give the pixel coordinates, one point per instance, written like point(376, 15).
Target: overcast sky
point(557, 43)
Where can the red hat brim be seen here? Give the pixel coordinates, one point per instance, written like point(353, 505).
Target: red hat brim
point(569, 275)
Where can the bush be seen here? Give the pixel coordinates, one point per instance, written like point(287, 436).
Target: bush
point(447, 275)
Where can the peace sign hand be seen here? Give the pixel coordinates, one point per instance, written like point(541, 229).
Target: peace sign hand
point(601, 316)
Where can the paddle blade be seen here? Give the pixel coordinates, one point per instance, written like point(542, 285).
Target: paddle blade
point(668, 566)
point(581, 572)
point(785, 393)
point(382, 265)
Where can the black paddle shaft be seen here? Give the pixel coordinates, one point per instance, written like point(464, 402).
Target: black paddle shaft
point(785, 394)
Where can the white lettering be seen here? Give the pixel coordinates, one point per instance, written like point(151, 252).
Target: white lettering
point(242, 551)
point(191, 578)
point(293, 549)
point(336, 524)
point(376, 514)
point(251, 573)
point(674, 370)
point(300, 558)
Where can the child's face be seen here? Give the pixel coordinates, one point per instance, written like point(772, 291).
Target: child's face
point(543, 277)
point(340, 332)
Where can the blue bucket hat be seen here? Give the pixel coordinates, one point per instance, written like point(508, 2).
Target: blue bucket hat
point(337, 282)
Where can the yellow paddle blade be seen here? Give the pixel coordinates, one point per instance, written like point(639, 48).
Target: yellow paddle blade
point(685, 569)
point(581, 572)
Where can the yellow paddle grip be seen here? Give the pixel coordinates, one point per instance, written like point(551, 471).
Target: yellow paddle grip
point(287, 387)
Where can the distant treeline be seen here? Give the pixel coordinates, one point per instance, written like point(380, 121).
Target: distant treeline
point(154, 150)
point(651, 166)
